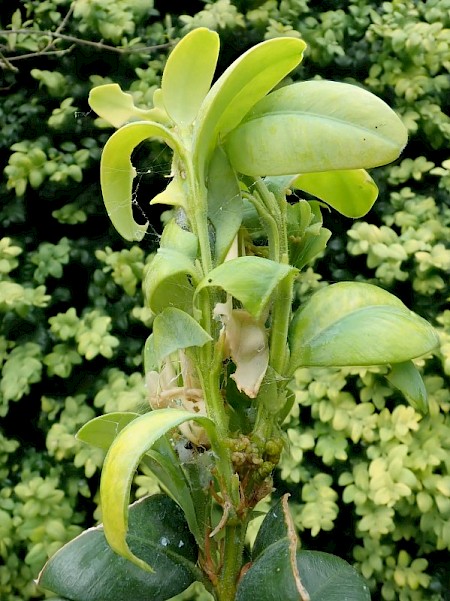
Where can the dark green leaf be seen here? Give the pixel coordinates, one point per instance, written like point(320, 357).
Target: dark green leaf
point(274, 527)
point(280, 571)
point(325, 578)
point(121, 462)
point(165, 465)
point(86, 569)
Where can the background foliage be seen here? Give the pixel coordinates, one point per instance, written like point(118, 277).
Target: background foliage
point(369, 476)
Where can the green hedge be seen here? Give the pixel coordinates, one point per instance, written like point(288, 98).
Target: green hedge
point(369, 476)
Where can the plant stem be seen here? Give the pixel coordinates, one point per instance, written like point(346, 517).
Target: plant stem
point(266, 409)
point(209, 361)
point(271, 390)
point(281, 317)
point(234, 540)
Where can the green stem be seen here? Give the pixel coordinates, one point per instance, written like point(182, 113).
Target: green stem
point(210, 370)
point(280, 318)
point(234, 540)
point(209, 364)
point(266, 409)
point(270, 223)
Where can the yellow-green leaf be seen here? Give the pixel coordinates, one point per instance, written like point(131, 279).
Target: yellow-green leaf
point(174, 329)
point(407, 379)
point(117, 174)
point(351, 192)
point(121, 463)
point(353, 323)
point(250, 279)
point(248, 79)
point(188, 74)
point(117, 107)
point(316, 126)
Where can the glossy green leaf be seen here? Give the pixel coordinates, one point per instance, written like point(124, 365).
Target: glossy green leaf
point(274, 527)
point(316, 126)
point(406, 377)
point(325, 578)
point(117, 107)
point(280, 571)
point(353, 323)
point(165, 465)
point(275, 546)
point(117, 174)
point(87, 569)
point(351, 193)
point(102, 430)
point(245, 81)
point(225, 207)
point(174, 329)
point(120, 465)
point(188, 74)
point(168, 279)
point(251, 280)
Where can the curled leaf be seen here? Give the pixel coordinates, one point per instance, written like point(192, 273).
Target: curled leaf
point(173, 195)
point(117, 174)
point(117, 107)
point(245, 341)
point(120, 464)
point(407, 379)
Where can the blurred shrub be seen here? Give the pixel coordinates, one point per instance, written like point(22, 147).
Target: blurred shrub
point(369, 477)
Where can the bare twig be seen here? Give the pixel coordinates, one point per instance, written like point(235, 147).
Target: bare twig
point(20, 57)
point(75, 40)
point(5, 62)
point(59, 29)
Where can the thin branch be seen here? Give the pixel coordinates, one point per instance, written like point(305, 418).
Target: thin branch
point(20, 57)
point(60, 28)
point(74, 40)
point(4, 61)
